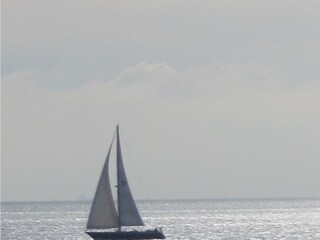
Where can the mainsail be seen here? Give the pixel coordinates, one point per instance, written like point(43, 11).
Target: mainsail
point(103, 212)
point(127, 209)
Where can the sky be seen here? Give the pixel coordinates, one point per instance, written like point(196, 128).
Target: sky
point(215, 99)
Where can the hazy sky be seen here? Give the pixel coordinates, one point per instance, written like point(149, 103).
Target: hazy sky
point(215, 99)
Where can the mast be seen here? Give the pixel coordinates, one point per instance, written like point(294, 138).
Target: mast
point(118, 178)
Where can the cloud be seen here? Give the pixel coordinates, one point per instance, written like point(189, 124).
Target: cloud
point(240, 130)
point(75, 42)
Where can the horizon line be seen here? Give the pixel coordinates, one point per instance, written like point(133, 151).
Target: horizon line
point(171, 199)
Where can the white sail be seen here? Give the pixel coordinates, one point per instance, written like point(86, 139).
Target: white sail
point(103, 212)
point(127, 209)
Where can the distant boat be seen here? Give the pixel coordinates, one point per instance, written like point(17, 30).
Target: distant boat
point(105, 221)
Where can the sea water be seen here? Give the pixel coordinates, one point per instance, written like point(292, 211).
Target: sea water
point(196, 219)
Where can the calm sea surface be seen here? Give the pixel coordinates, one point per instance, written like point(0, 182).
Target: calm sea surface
point(216, 219)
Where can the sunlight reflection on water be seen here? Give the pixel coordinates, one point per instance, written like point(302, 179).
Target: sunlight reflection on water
point(267, 219)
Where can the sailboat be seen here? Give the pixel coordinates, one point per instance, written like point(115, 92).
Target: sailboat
point(105, 221)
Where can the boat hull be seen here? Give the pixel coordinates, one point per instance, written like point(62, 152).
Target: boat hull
point(149, 234)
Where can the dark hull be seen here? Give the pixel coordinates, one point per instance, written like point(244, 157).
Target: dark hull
point(149, 234)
